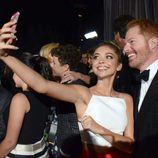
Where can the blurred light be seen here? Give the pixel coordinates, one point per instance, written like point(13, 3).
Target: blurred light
point(80, 15)
point(91, 35)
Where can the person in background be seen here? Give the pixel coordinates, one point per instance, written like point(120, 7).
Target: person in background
point(84, 58)
point(27, 115)
point(114, 127)
point(125, 77)
point(120, 27)
point(66, 58)
point(62, 59)
point(141, 49)
point(90, 58)
point(45, 50)
point(89, 78)
point(69, 76)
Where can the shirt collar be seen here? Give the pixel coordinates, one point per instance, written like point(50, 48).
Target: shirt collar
point(153, 69)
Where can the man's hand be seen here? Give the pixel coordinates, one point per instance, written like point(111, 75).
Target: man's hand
point(70, 76)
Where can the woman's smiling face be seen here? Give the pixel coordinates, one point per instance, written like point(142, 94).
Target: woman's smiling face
point(105, 62)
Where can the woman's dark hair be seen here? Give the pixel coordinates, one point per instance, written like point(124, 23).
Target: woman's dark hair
point(113, 46)
point(37, 63)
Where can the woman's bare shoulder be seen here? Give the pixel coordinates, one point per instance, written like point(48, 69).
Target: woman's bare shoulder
point(19, 100)
point(128, 99)
point(124, 95)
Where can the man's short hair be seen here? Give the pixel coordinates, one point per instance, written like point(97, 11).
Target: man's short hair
point(120, 24)
point(67, 54)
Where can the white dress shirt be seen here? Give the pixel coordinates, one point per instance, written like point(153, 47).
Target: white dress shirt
point(146, 84)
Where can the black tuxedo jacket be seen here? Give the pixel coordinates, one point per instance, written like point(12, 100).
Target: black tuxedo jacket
point(146, 124)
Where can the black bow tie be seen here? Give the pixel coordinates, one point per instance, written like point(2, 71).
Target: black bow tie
point(143, 75)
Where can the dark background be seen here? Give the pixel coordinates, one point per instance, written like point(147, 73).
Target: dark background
point(45, 21)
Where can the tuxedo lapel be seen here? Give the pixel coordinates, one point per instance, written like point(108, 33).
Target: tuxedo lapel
point(136, 96)
point(150, 96)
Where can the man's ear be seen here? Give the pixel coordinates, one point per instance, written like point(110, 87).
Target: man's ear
point(119, 67)
point(153, 42)
point(117, 36)
point(119, 40)
point(66, 67)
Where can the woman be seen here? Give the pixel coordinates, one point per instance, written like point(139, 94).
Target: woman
point(27, 115)
point(105, 64)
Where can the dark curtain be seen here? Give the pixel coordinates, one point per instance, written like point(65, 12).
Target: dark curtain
point(140, 9)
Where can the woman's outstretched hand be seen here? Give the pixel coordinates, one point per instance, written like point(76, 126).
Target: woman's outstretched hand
point(7, 33)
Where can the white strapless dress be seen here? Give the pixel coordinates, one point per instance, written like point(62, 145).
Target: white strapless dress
point(110, 112)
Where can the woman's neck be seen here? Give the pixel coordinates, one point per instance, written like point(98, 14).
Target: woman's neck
point(104, 87)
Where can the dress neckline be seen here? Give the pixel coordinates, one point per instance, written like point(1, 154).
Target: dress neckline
point(107, 97)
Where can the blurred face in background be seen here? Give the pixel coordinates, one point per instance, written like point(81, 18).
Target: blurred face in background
point(120, 41)
point(89, 60)
point(84, 59)
point(58, 69)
